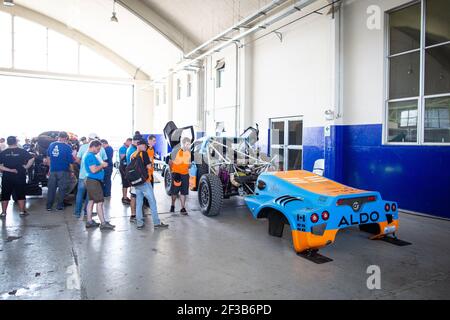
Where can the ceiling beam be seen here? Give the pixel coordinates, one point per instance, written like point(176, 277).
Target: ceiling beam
point(76, 35)
point(165, 28)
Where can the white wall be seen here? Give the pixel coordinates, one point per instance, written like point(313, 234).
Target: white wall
point(294, 77)
point(363, 56)
point(161, 114)
point(185, 109)
point(220, 103)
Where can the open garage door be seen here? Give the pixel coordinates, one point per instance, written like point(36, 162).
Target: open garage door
point(30, 106)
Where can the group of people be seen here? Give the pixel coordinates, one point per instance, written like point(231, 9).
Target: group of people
point(90, 167)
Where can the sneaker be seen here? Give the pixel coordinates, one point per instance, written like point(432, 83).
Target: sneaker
point(161, 226)
point(183, 212)
point(106, 226)
point(23, 214)
point(3, 215)
point(172, 208)
point(133, 219)
point(108, 223)
point(49, 209)
point(140, 226)
point(92, 224)
point(60, 209)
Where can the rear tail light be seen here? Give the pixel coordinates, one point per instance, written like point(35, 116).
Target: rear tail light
point(340, 202)
point(371, 198)
point(394, 207)
point(387, 207)
point(314, 218)
point(325, 215)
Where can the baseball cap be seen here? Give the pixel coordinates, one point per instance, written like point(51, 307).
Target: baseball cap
point(93, 136)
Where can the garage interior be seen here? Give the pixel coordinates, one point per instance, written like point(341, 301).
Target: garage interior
point(355, 90)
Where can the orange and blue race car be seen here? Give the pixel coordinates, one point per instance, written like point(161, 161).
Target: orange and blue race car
point(316, 208)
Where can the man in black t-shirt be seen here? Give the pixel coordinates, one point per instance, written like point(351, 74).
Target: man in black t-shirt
point(14, 163)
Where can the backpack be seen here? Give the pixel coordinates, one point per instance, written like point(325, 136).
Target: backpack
point(136, 173)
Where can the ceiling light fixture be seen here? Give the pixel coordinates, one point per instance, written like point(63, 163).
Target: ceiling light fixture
point(114, 17)
point(8, 3)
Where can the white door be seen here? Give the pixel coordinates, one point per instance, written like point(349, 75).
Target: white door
point(286, 141)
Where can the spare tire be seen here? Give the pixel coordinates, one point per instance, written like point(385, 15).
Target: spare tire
point(210, 194)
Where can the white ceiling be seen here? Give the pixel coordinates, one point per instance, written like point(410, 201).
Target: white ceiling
point(131, 38)
point(200, 20)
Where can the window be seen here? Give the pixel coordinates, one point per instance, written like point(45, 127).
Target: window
point(27, 45)
point(220, 69)
point(418, 102)
point(157, 97)
point(62, 53)
point(164, 95)
point(178, 89)
point(189, 86)
point(91, 63)
point(30, 45)
point(5, 40)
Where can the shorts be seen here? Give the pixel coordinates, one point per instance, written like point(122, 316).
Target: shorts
point(183, 189)
point(13, 186)
point(125, 182)
point(95, 190)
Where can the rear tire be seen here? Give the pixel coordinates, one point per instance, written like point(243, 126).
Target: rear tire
point(167, 180)
point(210, 195)
point(276, 223)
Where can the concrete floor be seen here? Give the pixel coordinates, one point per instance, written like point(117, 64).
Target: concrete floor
point(227, 257)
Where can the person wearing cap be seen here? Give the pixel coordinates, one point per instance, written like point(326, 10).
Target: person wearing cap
point(180, 174)
point(81, 199)
point(61, 159)
point(146, 189)
point(132, 149)
point(109, 169)
point(14, 163)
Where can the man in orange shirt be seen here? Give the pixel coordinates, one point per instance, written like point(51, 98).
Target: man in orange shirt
point(180, 174)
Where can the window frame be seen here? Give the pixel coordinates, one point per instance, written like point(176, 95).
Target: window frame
point(421, 98)
point(189, 85)
point(178, 82)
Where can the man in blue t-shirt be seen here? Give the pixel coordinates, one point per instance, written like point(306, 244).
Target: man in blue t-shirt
point(95, 175)
point(61, 159)
point(109, 169)
point(81, 192)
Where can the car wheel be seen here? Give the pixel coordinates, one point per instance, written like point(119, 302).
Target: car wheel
point(167, 180)
point(210, 194)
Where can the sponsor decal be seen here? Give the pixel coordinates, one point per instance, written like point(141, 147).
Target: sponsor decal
point(359, 219)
